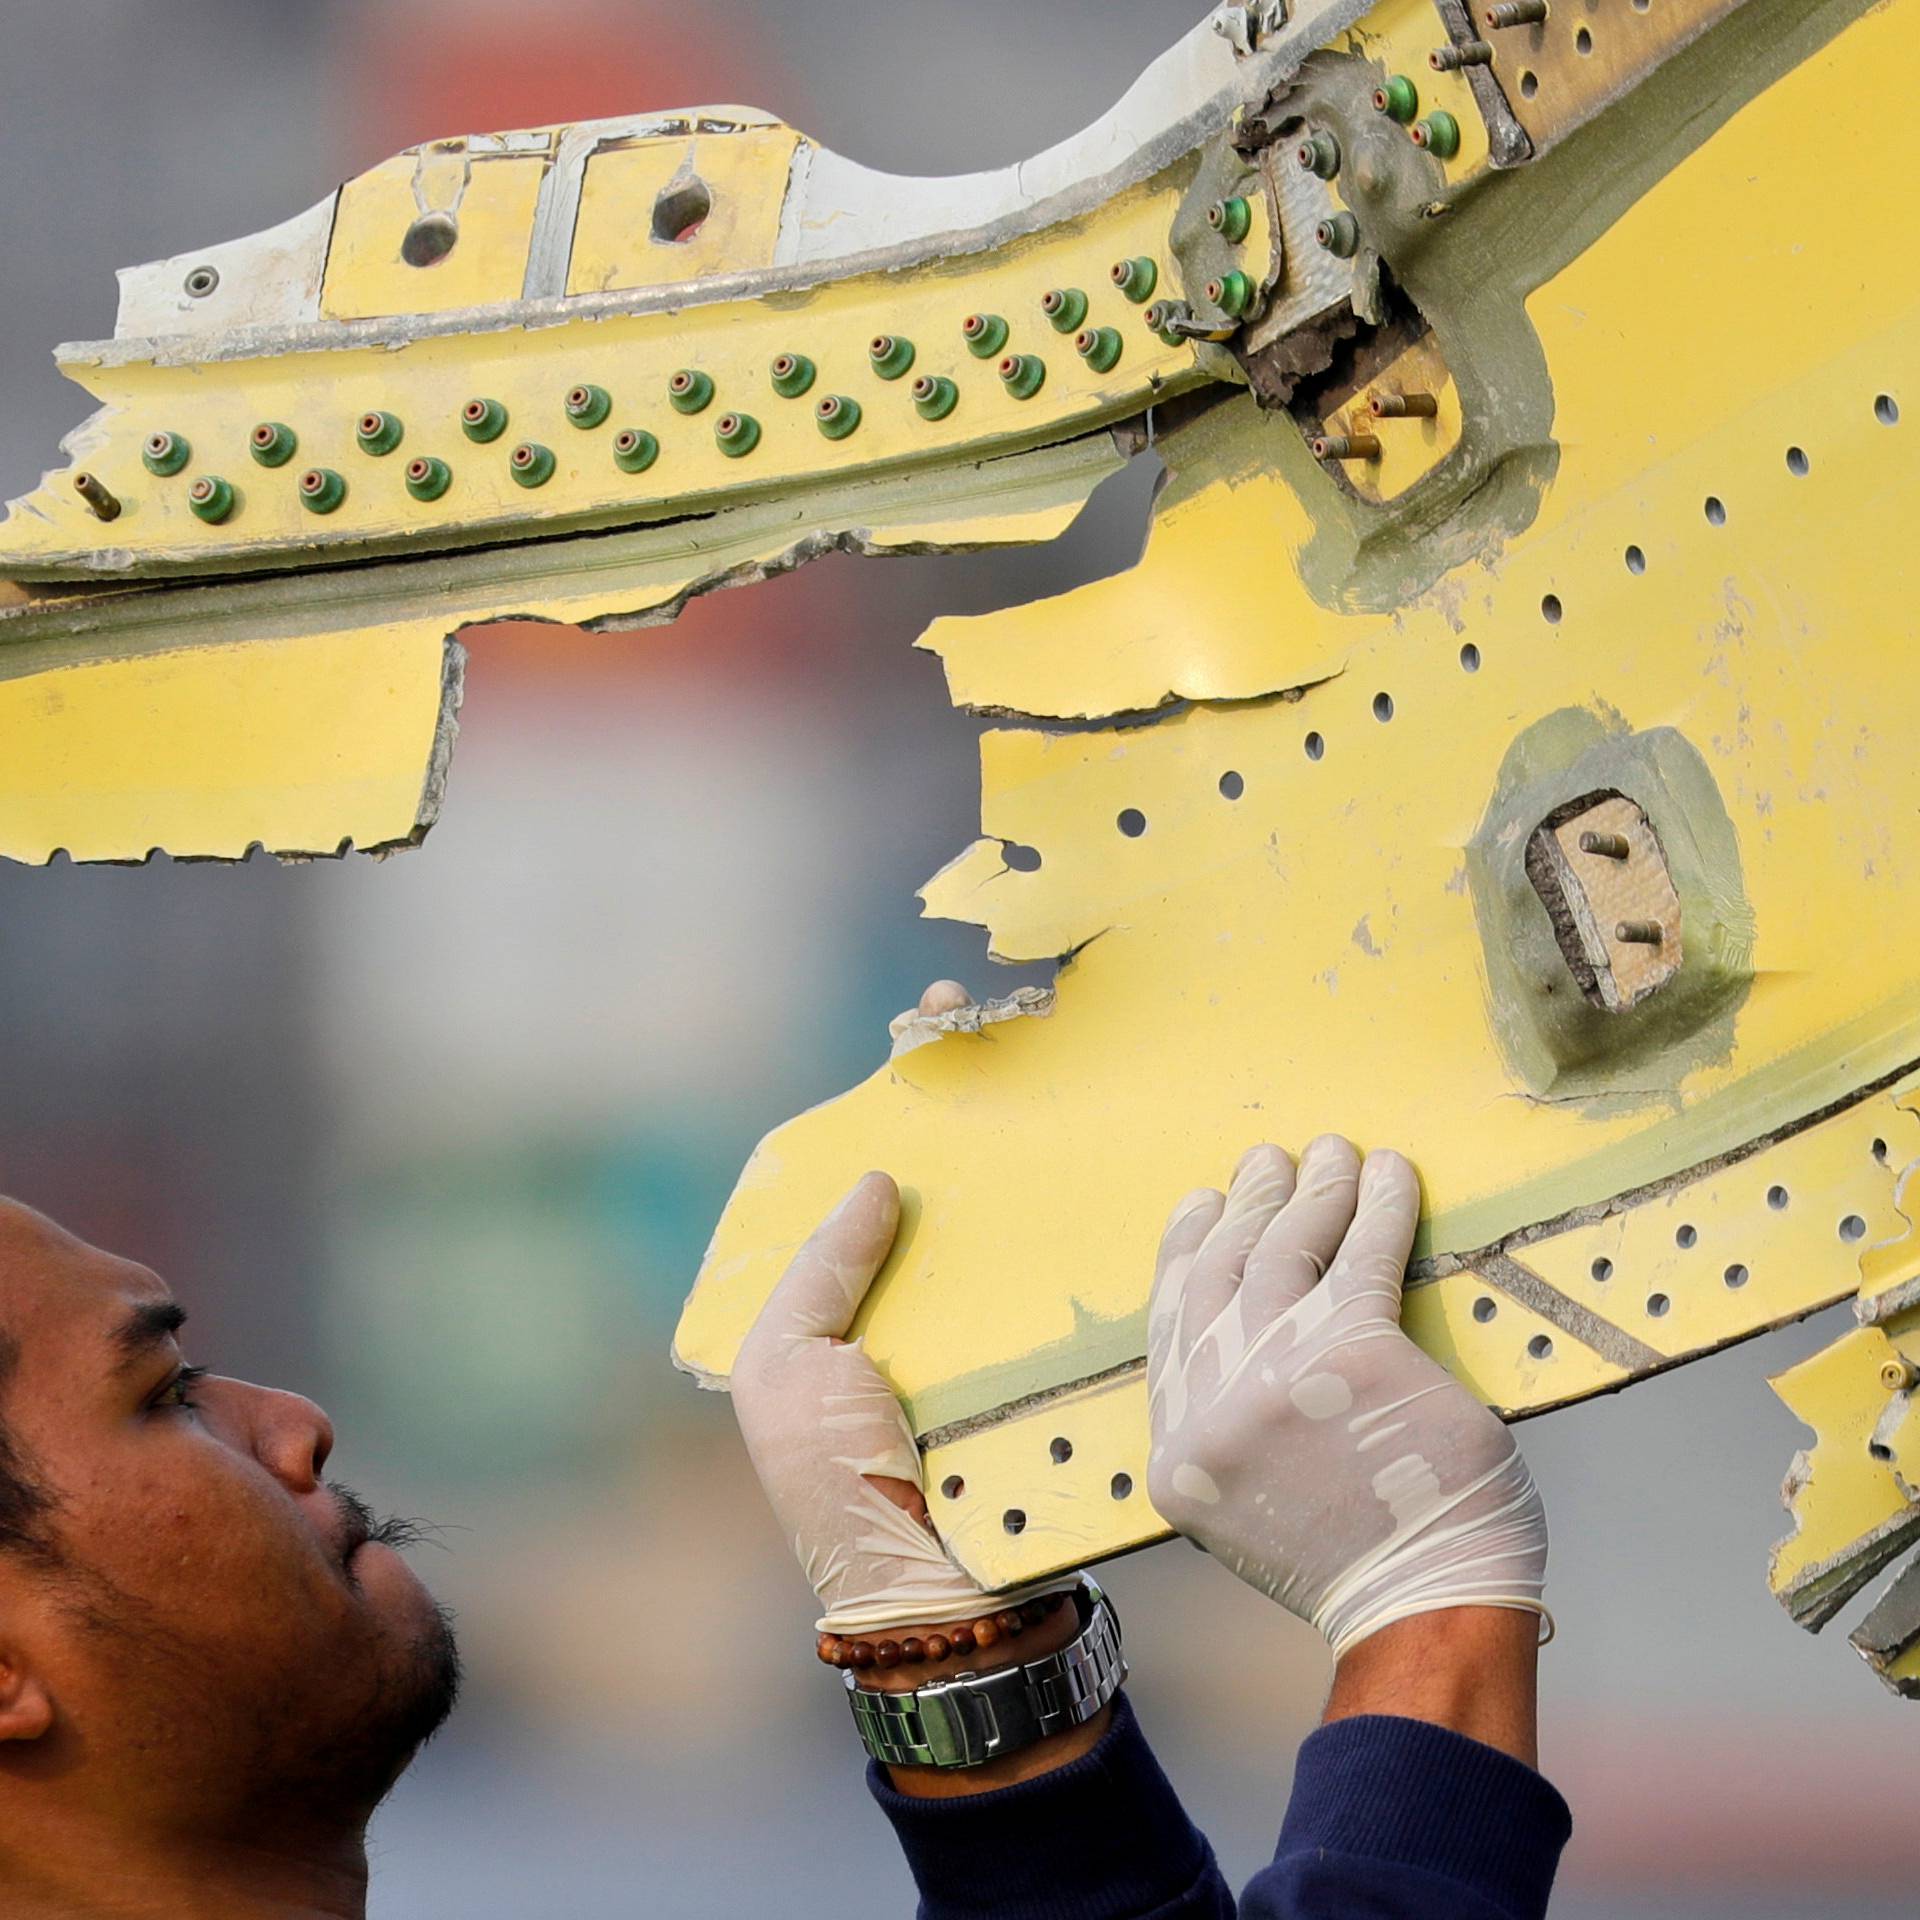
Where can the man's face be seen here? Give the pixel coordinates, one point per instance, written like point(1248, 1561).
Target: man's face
point(222, 1633)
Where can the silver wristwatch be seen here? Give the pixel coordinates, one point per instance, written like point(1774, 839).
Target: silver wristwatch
point(975, 1717)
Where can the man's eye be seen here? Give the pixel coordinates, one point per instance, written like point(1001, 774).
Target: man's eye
point(178, 1391)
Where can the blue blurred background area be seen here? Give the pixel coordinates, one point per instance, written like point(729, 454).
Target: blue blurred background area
point(439, 1139)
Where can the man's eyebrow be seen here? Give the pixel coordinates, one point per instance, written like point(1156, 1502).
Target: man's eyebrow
point(149, 1325)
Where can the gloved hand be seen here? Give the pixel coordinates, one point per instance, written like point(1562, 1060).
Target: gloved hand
point(1298, 1434)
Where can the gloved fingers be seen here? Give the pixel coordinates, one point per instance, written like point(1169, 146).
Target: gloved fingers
point(1210, 1335)
point(1372, 1261)
point(943, 996)
point(827, 1279)
point(1185, 1233)
point(1303, 1238)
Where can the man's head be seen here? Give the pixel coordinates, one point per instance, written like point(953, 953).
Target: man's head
point(199, 1636)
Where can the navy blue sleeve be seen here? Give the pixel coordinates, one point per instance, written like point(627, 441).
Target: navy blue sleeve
point(1102, 1838)
point(1398, 1820)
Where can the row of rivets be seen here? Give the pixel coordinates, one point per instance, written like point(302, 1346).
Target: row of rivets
point(1399, 99)
point(1353, 445)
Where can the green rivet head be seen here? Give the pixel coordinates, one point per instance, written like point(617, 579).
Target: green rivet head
point(321, 489)
point(690, 390)
point(837, 416)
point(1339, 233)
point(272, 444)
point(1099, 347)
point(635, 450)
point(428, 478)
point(792, 374)
point(891, 354)
point(1319, 153)
point(1160, 318)
point(1399, 99)
point(1066, 307)
point(1439, 133)
point(737, 434)
point(1024, 374)
point(587, 405)
point(378, 432)
point(211, 499)
point(165, 453)
point(1230, 219)
point(985, 335)
point(483, 420)
point(934, 396)
point(1233, 291)
point(1136, 278)
point(531, 464)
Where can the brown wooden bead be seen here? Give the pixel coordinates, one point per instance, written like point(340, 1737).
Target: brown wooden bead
point(1009, 1622)
point(913, 1648)
point(962, 1638)
point(860, 1654)
point(886, 1653)
point(826, 1646)
point(985, 1633)
point(938, 1646)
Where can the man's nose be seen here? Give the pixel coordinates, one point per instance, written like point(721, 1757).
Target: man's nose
point(290, 1435)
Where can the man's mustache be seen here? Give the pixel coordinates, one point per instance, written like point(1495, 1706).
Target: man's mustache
point(360, 1527)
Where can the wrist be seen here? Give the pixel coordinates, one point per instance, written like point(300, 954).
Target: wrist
point(1472, 1670)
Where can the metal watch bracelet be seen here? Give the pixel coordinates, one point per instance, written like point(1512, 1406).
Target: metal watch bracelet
point(975, 1717)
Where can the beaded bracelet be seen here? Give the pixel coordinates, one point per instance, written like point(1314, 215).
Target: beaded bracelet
point(965, 1638)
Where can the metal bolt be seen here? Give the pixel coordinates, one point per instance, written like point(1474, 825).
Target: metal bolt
point(1099, 347)
point(1345, 446)
point(690, 390)
point(1136, 278)
point(1339, 233)
point(379, 433)
point(837, 415)
point(1232, 291)
point(934, 396)
point(1066, 307)
point(273, 443)
point(588, 406)
point(201, 282)
point(428, 478)
point(1469, 53)
point(1024, 374)
point(1609, 846)
point(792, 374)
point(531, 464)
point(1516, 13)
point(1319, 153)
point(1403, 406)
point(321, 489)
point(1438, 133)
point(985, 335)
point(1639, 933)
point(635, 450)
point(103, 503)
point(483, 420)
point(1900, 1375)
point(737, 434)
point(891, 354)
point(1230, 219)
point(165, 454)
point(1398, 99)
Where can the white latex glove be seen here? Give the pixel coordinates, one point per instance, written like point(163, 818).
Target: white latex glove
point(1298, 1434)
point(829, 1440)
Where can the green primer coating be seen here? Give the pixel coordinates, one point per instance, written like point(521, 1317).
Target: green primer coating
point(635, 450)
point(837, 415)
point(1439, 133)
point(1231, 218)
point(379, 433)
point(588, 406)
point(1065, 308)
point(483, 420)
point(934, 396)
point(322, 490)
point(690, 391)
point(792, 374)
point(211, 499)
point(1100, 348)
point(428, 478)
point(273, 443)
point(1023, 374)
point(531, 464)
point(891, 355)
point(985, 335)
point(164, 454)
point(1136, 278)
point(1398, 98)
point(736, 434)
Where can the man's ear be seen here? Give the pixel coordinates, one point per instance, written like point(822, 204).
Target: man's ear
point(26, 1707)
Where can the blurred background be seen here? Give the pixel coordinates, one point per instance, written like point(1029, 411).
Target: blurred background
point(439, 1140)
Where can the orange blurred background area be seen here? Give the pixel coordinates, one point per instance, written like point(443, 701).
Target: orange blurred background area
point(440, 1139)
